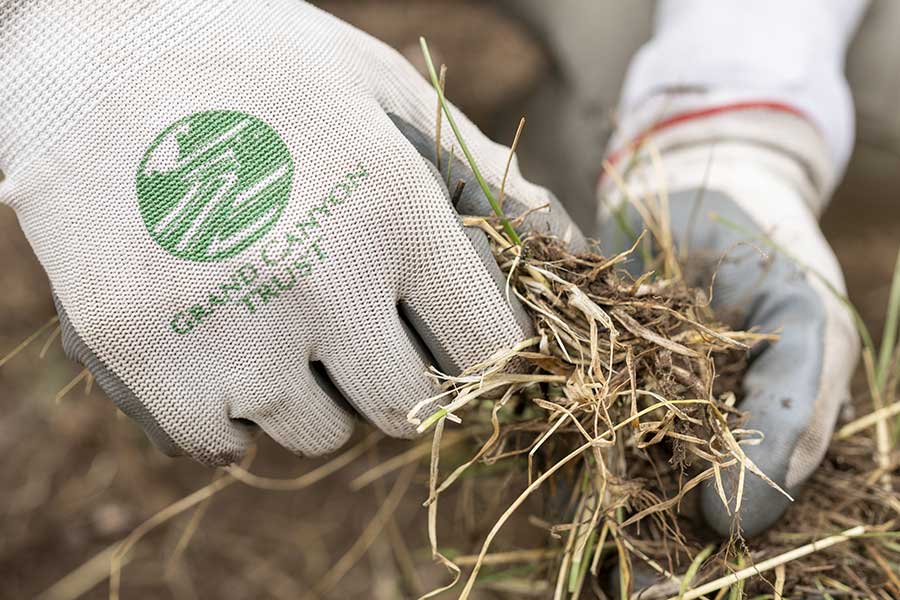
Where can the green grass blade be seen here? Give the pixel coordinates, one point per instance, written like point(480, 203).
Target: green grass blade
point(580, 564)
point(495, 206)
point(737, 590)
point(692, 570)
point(619, 211)
point(889, 336)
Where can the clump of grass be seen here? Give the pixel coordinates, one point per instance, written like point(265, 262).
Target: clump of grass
point(626, 398)
point(619, 369)
point(619, 382)
point(626, 402)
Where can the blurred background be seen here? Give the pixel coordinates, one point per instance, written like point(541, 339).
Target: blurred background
point(76, 476)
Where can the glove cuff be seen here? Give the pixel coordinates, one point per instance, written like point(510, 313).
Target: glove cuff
point(772, 127)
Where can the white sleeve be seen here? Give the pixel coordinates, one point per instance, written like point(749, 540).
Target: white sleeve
point(719, 53)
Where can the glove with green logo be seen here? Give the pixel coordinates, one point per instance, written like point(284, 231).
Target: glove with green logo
point(232, 205)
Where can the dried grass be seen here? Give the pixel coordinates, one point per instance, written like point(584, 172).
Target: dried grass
point(626, 398)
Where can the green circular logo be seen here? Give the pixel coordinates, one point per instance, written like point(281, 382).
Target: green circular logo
point(213, 183)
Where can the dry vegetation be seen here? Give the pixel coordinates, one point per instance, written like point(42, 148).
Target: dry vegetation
point(627, 406)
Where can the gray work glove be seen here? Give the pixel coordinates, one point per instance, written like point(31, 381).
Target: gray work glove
point(232, 205)
point(795, 387)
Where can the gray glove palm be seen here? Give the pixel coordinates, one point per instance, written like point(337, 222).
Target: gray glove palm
point(231, 202)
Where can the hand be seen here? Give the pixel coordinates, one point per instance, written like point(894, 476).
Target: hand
point(238, 211)
point(728, 200)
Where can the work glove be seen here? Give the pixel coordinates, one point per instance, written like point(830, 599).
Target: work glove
point(739, 183)
point(239, 210)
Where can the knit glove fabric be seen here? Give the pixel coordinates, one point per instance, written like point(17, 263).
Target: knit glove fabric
point(238, 210)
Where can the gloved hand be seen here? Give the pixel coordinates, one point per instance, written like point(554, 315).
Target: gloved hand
point(745, 166)
point(232, 205)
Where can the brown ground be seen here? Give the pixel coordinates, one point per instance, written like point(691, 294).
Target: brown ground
point(75, 478)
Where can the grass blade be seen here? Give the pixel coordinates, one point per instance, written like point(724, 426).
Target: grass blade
point(495, 206)
point(889, 336)
point(692, 570)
